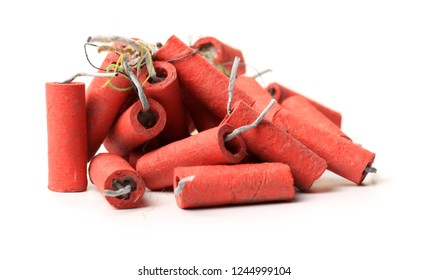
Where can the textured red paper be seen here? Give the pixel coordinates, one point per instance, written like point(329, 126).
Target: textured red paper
point(235, 184)
point(128, 133)
point(67, 150)
point(343, 156)
point(303, 108)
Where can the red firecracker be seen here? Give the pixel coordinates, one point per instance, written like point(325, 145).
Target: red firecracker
point(110, 172)
point(134, 127)
point(67, 150)
point(218, 185)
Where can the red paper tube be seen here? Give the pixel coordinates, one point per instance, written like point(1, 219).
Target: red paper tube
point(103, 105)
point(168, 93)
point(110, 172)
point(343, 156)
point(134, 127)
point(279, 90)
point(67, 150)
point(199, 78)
point(270, 143)
point(303, 108)
point(218, 185)
point(205, 148)
point(222, 54)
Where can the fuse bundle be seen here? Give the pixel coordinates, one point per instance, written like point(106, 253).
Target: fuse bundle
point(187, 117)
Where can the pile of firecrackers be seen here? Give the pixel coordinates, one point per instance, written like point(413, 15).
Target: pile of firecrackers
point(187, 117)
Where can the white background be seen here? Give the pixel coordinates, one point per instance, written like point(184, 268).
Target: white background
point(367, 59)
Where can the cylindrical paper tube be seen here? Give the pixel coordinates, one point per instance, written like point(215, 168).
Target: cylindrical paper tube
point(134, 127)
point(111, 172)
point(235, 184)
point(343, 156)
point(67, 150)
point(205, 148)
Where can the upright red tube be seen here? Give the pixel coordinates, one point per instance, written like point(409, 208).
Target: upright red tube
point(223, 55)
point(218, 185)
point(199, 78)
point(270, 143)
point(169, 94)
point(205, 148)
point(67, 150)
point(133, 128)
point(103, 105)
point(110, 172)
point(277, 89)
